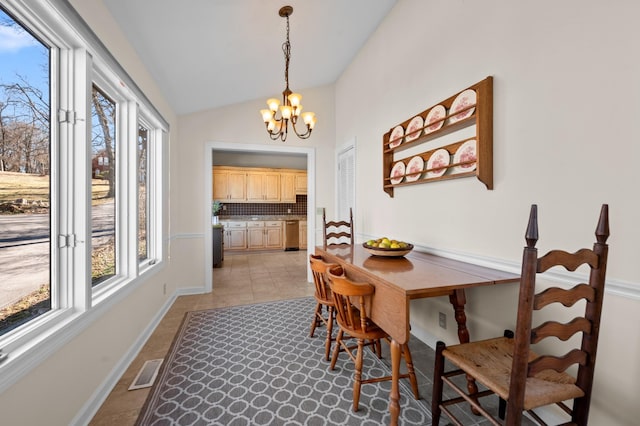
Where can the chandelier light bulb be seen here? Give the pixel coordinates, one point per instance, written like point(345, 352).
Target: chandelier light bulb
point(267, 115)
point(295, 99)
point(273, 104)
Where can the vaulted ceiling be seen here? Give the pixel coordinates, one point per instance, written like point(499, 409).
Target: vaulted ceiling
point(210, 53)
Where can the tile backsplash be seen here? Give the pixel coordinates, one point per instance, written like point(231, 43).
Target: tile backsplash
point(298, 208)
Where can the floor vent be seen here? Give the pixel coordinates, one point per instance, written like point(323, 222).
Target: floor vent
point(147, 374)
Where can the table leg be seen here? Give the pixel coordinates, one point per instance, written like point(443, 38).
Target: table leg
point(394, 397)
point(458, 300)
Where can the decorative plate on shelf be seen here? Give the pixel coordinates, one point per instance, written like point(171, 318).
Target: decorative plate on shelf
point(414, 168)
point(395, 138)
point(414, 129)
point(466, 153)
point(436, 113)
point(397, 173)
point(388, 252)
point(462, 101)
point(438, 162)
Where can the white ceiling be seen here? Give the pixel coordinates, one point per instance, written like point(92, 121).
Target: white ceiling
point(210, 53)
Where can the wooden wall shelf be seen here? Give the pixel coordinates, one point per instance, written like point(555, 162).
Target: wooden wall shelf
point(481, 119)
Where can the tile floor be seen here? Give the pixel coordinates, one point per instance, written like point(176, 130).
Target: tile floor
point(243, 279)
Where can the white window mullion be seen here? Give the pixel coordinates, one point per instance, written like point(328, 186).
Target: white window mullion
point(79, 177)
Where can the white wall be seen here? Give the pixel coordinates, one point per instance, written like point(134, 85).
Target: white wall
point(565, 137)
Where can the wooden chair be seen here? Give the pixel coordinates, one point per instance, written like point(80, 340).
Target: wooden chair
point(506, 366)
point(350, 299)
point(324, 300)
point(334, 230)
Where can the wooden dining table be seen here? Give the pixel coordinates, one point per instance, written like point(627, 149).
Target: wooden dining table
point(398, 280)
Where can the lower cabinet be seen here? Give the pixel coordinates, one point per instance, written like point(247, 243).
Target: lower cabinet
point(265, 234)
point(302, 239)
point(235, 235)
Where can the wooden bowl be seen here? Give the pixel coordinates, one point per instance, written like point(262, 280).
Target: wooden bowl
point(388, 252)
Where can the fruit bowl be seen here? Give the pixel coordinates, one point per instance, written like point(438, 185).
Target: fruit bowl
point(388, 252)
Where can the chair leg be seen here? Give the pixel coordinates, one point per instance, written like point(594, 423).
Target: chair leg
point(327, 350)
point(412, 374)
point(336, 350)
point(357, 382)
point(438, 371)
point(314, 323)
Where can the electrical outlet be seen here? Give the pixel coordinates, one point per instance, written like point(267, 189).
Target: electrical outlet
point(289, 211)
point(442, 320)
point(224, 207)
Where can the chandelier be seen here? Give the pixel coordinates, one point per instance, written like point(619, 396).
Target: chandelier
point(291, 109)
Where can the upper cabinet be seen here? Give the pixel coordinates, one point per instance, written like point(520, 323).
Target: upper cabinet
point(288, 187)
point(229, 185)
point(257, 185)
point(263, 187)
point(301, 183)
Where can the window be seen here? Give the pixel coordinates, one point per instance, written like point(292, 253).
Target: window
point(85, 162)
point(25, 224)
point(143, 196)
point(103, 187)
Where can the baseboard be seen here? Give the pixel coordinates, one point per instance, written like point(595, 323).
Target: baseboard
point(96, 400)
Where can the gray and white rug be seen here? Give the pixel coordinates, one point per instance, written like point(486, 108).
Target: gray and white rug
point(256, 365)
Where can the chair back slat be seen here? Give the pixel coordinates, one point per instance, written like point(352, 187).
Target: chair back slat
point(566, 297)
point(570, 261)
point(562, 331)
point(559, 364)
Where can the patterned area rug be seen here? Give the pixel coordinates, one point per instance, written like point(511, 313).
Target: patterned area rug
point(256, 365)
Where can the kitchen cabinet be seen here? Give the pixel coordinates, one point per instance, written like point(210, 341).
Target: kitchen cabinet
point(263, 187)
point(229, 185)
point(301, 183)
point(303, 235)
point(288, 187)
point(265, 234)
point(235, 235)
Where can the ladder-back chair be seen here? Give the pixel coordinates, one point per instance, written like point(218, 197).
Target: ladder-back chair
point(507, 366)
point(350, 300)
point(324, 300)
point(335, 231)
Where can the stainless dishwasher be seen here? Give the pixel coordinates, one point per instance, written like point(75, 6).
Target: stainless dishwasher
point(291, 237)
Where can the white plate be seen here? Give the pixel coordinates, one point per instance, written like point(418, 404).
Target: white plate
point(395, 138)
point(436, 113)
point(415, 168)
point(414, 129)
point(397, 173)
point(465, 152)
point(438, 161)
point(463, 100)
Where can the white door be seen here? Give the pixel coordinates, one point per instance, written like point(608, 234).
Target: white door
point(346, 182)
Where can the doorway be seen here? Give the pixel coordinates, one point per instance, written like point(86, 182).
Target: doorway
point(209, 154)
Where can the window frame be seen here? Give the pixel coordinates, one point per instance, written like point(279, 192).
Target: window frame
point(78, 59)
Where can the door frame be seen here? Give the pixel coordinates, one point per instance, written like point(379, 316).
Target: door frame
point(209, 149)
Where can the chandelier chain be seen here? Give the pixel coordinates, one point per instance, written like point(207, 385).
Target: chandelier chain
point(286, 48)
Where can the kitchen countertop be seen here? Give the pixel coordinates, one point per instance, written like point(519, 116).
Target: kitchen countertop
point(263, 217)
